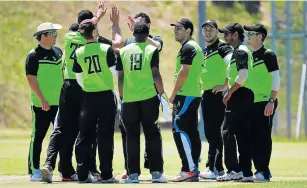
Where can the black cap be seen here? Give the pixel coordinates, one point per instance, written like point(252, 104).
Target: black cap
point(74, 27)
point(212, 23)
point(259, 28)
point(233, 27)
point(86, 26)
point(141, 28)
point(84, 15)
point(185, 22)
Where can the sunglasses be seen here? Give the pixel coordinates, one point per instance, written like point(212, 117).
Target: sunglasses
point(51, 33)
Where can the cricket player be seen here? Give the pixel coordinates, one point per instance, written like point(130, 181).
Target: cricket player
point(214, 81)
point(186, 97)
point(138, 66)
point(265, 86)
point(44, 76)
point(239, 101)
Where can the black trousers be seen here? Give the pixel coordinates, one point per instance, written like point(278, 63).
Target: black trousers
point(98, 112)
point(185, 131)
point(40, 123)
point(261, 128)
point(236, 131)
point(134, 114)
point(213, 110)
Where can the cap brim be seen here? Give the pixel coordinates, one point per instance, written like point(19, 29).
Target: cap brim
point(55, 27)
point(176, 24)
point(210, 24)
point(248, 28)
point(223, 30)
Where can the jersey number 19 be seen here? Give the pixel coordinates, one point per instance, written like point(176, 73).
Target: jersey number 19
point(136, 62)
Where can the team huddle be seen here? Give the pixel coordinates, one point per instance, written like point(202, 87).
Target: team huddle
point(235, 88)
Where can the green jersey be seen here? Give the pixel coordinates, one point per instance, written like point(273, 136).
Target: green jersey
point(136, 61)
point(46, 66)
point(190, 54)
point(241, 59)
point(94, 61)
point(215, 67)
point(265, 63)
point(72, 41)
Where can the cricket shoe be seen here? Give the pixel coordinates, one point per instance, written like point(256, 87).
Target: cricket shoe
point(259, 177)
point(36, 175)
point(47, 173)
point(208, 174)
point(90, 179)
point(132, 178)
point(158, 177)
point(111, 180)
point(124, 175)
point(187, 176)
point(230, 176)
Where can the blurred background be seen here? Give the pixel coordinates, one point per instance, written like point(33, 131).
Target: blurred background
point(286, 21)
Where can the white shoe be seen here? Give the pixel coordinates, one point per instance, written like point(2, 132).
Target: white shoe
point(230, 176)
point(36, 175)
point(47, 173)
point(90, 179)
point(247, 179)
point(208, 174)
point(158, 177)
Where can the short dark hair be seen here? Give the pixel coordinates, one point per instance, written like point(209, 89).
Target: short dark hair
point(74, 27)
point(143, 15)
point(86, 29)
point(84, 15)
point(141, 32)
point(241, 37)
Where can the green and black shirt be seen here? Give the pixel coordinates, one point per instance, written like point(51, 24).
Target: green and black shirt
point(190, 54)
point(215, 67)
point(265, 62)
point(46, 66)
point(137, 60)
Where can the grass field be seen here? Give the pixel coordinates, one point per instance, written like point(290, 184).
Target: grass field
point(289, 163)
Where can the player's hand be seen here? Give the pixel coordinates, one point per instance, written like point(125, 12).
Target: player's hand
point(165, 106)
point(171, 99)
point(218, 88)
point(101, 11)
point(226, 98)
point(114, 16)
point(269, 108)
point(45, 105)
point(132, 22)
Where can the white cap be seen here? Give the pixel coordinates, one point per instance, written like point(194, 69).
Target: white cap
point(47, 26)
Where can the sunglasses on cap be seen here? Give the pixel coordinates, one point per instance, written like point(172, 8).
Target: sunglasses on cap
point(51, 33)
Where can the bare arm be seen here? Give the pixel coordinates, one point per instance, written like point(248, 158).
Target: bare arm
point(35, 87)
point(120, 83)
point(182, 76)
point(158, 79)
point(154, 43)
point(117, 39)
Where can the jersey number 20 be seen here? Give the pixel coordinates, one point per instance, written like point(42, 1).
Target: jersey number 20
point(136, 62)
point(93, 64)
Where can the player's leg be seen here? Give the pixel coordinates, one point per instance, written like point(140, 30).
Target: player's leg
point(181, 126)
point(40, 125)
point(87, 122)
point(107, 114)
point(230, 143)
point(243, 134)
point(70, 111)
point(131, 125)
point(153, 139)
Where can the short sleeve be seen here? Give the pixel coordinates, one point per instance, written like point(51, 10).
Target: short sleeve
point(76, 67)
point(241, 59)
point(111, 60)
point(159, 39)
point(224, 50)
point(155, 59)
point(188, 52)
point(104, 40)
point(271, 61)
point(32, 64)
